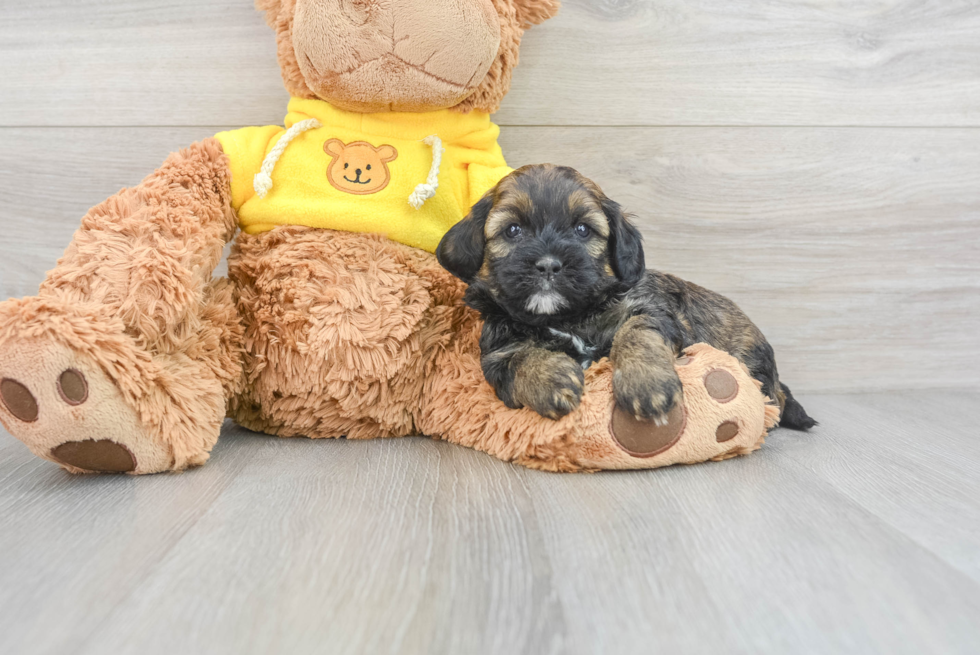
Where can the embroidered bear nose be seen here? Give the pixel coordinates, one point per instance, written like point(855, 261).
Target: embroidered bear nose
point(548, 265)
point(357, 171)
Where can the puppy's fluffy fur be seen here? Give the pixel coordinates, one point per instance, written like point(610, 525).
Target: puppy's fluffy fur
point(558, 274)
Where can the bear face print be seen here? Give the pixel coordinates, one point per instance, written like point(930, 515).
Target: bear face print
point(359, 168)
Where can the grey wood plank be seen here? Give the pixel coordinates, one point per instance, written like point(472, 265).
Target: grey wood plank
point(753, 62)
point(755, 555)
point(642, 62)
point(400, 546)
point(415, 546)
point(857, 251)
point(134, 62)
point(911, 458)
point(53, 176)
point(73, 548)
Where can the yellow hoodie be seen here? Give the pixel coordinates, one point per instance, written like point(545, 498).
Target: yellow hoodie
point(341, 170)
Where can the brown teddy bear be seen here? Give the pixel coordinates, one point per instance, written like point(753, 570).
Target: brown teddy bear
point(336, 318)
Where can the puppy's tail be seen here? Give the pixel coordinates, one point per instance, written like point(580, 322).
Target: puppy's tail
point(794, 416)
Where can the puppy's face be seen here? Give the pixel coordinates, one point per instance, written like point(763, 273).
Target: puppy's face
point(544, 243)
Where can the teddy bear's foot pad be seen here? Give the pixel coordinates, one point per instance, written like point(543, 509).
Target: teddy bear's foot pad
point(723, 414)
point(101, 456)
point(647, 438)
point(66, 409)
point(18, 400)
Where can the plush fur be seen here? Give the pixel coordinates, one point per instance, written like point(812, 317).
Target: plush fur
point(132, 354)
point(341, 331)
point(133, 299)
point(558, 274)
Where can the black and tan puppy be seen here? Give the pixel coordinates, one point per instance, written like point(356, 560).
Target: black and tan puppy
point(558, 274)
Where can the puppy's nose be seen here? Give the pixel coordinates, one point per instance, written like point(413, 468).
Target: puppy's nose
point(548, 265)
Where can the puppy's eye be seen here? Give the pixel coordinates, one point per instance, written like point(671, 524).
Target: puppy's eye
point(513, 231)
point(583, 230)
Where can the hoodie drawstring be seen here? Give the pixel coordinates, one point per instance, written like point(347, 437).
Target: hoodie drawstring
point(262, 183)
point(428, 189)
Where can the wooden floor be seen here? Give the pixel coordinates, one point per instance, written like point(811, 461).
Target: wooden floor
point(861, 537)
point(818, 162)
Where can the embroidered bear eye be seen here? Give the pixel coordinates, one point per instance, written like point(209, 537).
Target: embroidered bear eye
point(583, 230)
point(345, 166)
point(513, 231)
point(369, 166)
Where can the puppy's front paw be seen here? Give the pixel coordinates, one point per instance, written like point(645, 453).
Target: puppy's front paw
point(549, 383)
point(646, 392)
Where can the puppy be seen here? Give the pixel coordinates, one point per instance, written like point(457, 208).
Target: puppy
point(558, 274)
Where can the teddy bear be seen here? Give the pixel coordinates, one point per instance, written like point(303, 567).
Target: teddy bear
point(335, 319)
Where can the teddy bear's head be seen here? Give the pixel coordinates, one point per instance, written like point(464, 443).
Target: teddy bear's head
point(402, 55)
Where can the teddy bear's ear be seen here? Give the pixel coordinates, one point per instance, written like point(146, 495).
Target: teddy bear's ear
point(515, 17)
point(279, 16)
point(535, 12)
point(387, 153)
point(271, 9)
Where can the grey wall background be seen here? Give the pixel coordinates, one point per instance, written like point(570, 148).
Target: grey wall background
point(818, 162)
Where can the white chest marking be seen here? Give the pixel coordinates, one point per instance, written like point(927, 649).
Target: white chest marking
point(577, 342)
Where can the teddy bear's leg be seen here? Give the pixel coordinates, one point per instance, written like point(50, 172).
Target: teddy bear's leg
point(125, 359)
point(723, 414)
point(352, 334)
point(340, 331)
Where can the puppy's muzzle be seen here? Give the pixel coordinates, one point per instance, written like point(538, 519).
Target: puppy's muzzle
point(547, 300)
point(548, 266)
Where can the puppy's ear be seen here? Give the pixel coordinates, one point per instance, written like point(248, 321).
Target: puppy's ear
point(461, 251)
point(625, 244)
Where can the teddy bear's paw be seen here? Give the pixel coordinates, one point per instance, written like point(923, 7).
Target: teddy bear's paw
point(67, 410)
point(723, 414)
